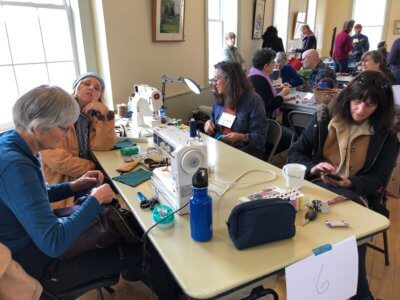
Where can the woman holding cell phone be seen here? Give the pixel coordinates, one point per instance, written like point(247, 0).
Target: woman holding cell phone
point(350, 146)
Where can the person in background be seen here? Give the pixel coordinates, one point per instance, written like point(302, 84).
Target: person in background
point(288, 73)
point(94, 130)
point(360, 44)
point(312, 61)
point(342, 48)
point(393, 60)
point(35, 236)
point(355, 139)
point(271, 40)
point(374, 61)
point(263, 65)
point(308, 40)
point(238, 115)
point(382, 48)
point(230, 52)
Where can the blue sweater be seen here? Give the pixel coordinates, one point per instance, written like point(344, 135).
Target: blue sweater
point(25, 212)
point(250, 118)
point(289, 75)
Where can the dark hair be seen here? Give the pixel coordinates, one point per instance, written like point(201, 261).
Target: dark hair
point(270, 32)
point(262, 57)
point(381, 44)
point(368, 85)
point(379, 59)
point(237, 83)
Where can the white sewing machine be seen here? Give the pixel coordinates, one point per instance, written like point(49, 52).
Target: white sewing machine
point(174, 183)
point(146, 105)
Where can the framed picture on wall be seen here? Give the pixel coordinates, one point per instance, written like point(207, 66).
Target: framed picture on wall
point(168, 20)
point(258, 19)
point(396, 27)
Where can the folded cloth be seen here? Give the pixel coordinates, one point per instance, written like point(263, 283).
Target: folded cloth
point(123, 144)
point(134, 178)
point(128, 166)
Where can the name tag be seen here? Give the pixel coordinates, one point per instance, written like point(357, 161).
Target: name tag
point(226, 120)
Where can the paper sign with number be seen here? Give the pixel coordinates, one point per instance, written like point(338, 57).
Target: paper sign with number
point(330, 275)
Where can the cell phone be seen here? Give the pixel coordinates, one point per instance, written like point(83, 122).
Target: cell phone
point(333, 176)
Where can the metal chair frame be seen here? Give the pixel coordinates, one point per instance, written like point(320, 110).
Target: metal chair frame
point(273, 136)
point(300, 119)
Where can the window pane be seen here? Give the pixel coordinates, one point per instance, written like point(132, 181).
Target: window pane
point(40, 1)
point(23, 30)
point(374, 35)
point(5, 57)
point(214, 45)
point(62, 74)
point(367, 12)
point(9, 93)
point(30, 76)
point(281, 13)
point(56, 34)
point(213, 9)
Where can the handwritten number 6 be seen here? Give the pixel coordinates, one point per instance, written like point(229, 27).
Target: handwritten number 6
point(323, 286)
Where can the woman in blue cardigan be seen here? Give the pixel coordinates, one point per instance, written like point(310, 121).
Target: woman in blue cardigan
point(28, 226)
point(238, 116)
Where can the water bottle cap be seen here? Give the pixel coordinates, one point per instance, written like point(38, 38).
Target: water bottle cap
point(200, 178)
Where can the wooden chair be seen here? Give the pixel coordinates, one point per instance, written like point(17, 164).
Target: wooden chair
point(298, 120)
point(272, 137)
point(380, 207)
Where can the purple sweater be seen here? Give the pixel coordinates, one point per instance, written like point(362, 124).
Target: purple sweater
point(394, 56)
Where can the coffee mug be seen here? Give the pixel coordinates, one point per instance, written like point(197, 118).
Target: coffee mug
point(294, 175)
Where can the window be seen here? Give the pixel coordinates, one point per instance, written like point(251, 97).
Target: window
point(311, 12)
point(371, 15)
point(281, 13)
point(222, 18)
point(36, 47)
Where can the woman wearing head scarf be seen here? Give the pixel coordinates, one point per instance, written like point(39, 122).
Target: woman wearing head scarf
point(94, 130)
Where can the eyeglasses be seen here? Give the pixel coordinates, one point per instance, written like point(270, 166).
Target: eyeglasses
point(367, 80)
point(215, 79)
point(65, 129)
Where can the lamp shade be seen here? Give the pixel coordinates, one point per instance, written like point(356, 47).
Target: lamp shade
point(193, 86)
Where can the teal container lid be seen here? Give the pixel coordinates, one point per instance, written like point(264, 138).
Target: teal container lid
point(130, 150)
point(160, 212)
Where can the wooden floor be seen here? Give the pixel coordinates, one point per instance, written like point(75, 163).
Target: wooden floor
point(384, 280)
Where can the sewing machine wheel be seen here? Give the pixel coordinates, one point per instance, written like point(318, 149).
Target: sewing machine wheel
point(191, 161)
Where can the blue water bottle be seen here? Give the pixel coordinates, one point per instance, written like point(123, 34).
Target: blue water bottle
point(200, 208)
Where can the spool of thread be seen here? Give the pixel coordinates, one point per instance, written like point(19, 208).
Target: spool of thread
point(160, 212)
point(192, 127)
point(129, 151)
point(121, 109)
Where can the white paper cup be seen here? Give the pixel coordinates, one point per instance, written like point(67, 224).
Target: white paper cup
point(294, 175)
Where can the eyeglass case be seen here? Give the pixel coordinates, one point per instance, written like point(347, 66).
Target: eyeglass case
point(261, 221)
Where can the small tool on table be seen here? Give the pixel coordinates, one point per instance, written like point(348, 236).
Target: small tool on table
point(310, 216)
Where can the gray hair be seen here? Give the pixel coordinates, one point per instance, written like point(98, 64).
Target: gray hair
point(348, 25)
point(45, 107)
point(281, 58)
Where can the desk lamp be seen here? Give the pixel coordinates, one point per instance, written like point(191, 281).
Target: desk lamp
point(193, 86)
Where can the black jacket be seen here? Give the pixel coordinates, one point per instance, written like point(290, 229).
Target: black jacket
point(309, 42)
point(274, 43)
point(263, 88)
point(378, 164)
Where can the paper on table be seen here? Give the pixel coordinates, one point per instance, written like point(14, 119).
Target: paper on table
point(330, 275)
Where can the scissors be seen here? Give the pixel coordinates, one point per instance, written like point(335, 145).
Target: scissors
point(147, 203)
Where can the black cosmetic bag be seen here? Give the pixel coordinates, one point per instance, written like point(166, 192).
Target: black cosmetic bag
point(261, 221)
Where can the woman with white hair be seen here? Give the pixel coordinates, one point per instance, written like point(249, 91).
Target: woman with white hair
point(29, 228)
point(94, 130)
point(288, 73)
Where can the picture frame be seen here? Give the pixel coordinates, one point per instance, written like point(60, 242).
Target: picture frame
point(258, 19)
point(396, 29)
point(168, 20)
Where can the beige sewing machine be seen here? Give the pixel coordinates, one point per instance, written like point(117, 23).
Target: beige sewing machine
point(174, 183)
